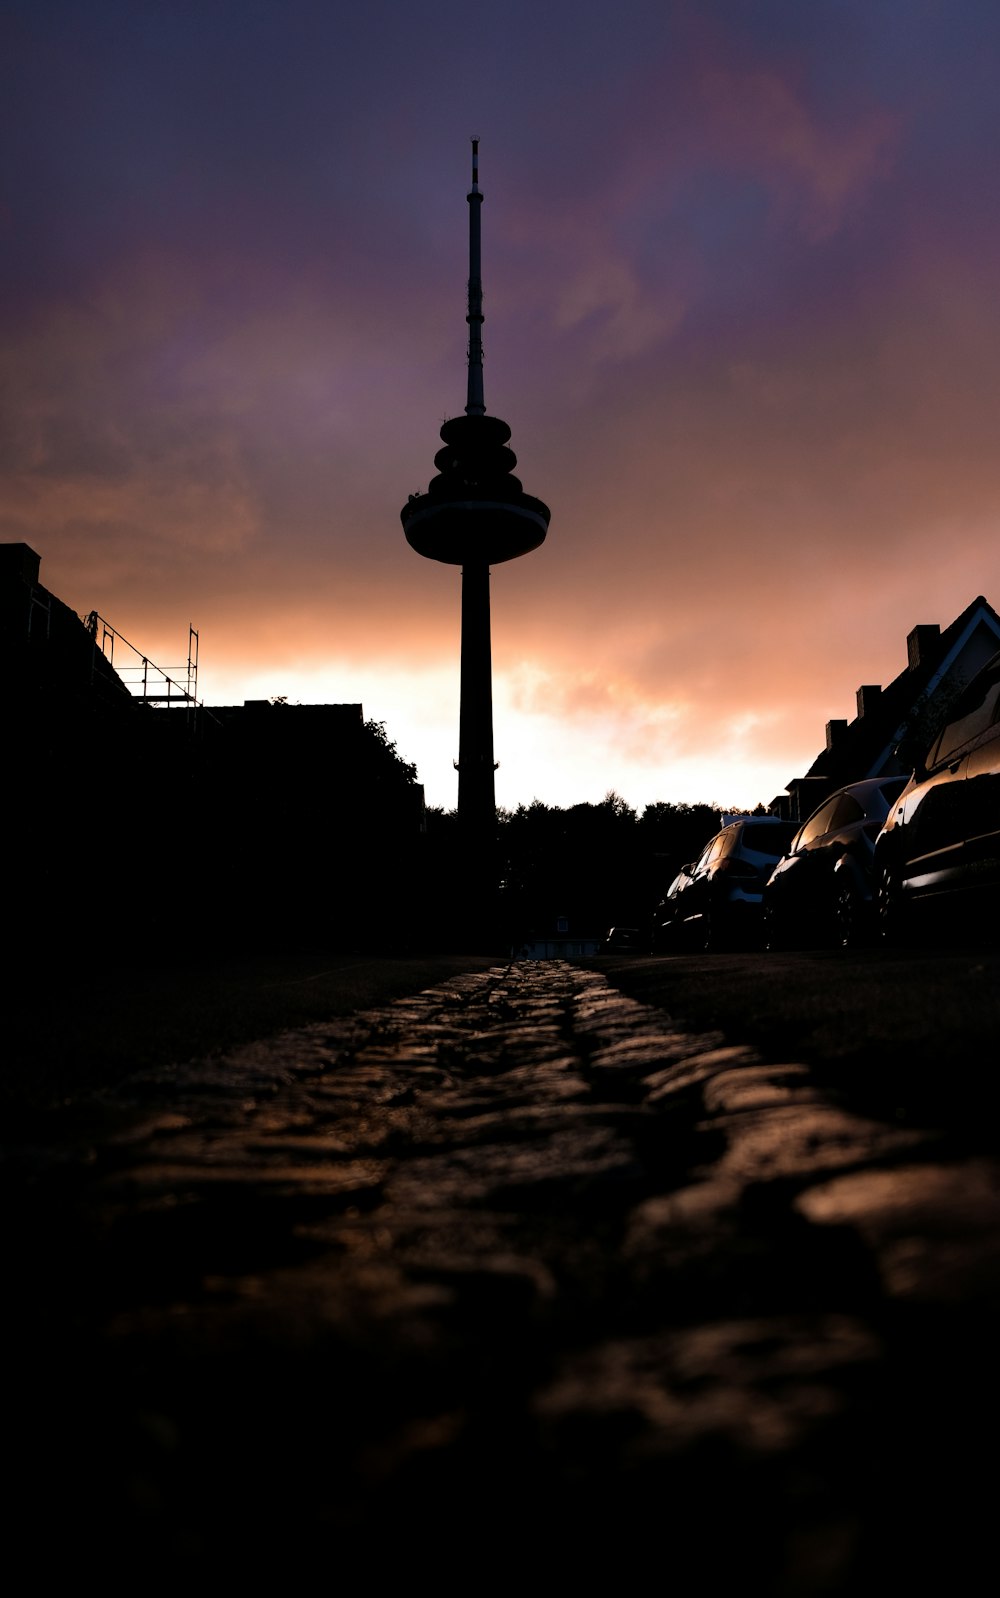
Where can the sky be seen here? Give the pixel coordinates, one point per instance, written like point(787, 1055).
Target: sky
point(740, 268)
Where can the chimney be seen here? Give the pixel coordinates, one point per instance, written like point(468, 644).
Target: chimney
point(834, 732)
point(920, 644)
point(869, 695)
point(19, 561)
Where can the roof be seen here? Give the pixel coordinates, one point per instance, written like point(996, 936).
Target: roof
point(865, 746)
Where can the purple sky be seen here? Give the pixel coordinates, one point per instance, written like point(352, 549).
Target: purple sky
point(740, 265)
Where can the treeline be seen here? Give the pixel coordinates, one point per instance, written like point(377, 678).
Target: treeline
point(593, 866)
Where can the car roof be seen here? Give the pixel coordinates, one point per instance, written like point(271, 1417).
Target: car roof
point(755, 822)
point(868, 783)
point(865, 786)
point(738, 821)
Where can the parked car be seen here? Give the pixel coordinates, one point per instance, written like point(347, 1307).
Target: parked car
point(820, 891)
point(714, 902)
point(664, 933)
point(623, 940)
point(937, 858)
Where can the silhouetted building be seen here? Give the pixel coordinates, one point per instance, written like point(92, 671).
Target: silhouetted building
point(54, 675)
point(558, 938)
point(898, 721)
point(136, 829)
point(318, 824)
point(66, 724)
point(475, 515)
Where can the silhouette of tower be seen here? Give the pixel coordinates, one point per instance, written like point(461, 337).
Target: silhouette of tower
point(475, 515)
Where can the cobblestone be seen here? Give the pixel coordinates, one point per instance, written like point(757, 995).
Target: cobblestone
point(509, 1280)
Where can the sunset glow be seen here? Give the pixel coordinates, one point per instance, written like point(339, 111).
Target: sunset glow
point(740, 269)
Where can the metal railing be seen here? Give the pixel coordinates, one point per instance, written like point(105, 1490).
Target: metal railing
point(146, 681)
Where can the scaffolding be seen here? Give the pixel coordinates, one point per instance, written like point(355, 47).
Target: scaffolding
point(150, 684)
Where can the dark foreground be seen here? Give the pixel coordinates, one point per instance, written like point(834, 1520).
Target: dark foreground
point(678, 1271)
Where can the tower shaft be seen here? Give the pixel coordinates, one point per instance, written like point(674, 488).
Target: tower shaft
point(476, 789)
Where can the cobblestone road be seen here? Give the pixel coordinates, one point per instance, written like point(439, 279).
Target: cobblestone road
point(510, 1280)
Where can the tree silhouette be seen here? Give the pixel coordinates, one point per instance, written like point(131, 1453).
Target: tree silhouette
point(594, 865)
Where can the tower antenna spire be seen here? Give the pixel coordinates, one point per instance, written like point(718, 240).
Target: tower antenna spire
point(475, 404)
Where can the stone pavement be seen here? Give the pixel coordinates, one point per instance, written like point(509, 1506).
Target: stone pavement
point(507, 1281)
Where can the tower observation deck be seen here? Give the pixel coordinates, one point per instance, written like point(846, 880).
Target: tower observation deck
point(475, 514)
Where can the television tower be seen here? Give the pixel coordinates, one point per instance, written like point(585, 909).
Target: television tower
point(475, 515)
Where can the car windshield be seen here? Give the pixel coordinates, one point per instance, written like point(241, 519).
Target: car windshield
point(765, 837)
point(892, 789)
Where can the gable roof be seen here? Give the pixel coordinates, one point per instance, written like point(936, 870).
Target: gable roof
point(938, 663)
point(54, 671)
